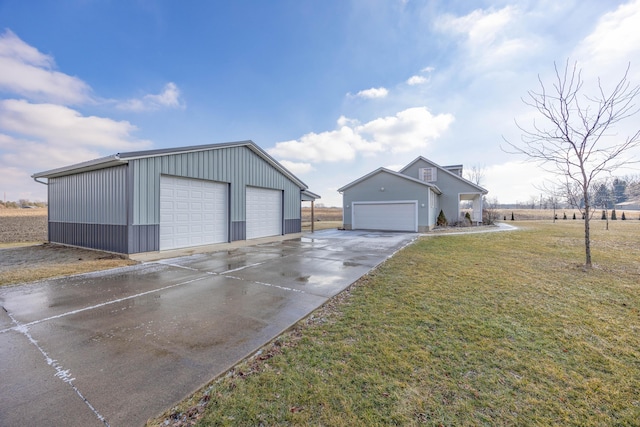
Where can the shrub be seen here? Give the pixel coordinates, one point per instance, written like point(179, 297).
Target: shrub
point(467, 218)
point(442, 220)
point(623, 217)
point(574, 215)
point(564, 216)
point(604, 215)
point(613, 215)
point(512, 218)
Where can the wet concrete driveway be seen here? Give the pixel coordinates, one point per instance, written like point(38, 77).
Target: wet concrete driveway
point(117, 348)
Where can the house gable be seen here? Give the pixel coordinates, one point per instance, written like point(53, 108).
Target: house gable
point(448, 179)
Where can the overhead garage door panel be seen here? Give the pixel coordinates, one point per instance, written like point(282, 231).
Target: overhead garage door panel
point(192, 212)
point(264, 212)
point(393, 216)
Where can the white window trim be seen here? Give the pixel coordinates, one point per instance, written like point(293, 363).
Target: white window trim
point(433, 174)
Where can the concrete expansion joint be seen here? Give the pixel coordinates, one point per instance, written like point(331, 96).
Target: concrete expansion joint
point(60, 372)
point(284, 288)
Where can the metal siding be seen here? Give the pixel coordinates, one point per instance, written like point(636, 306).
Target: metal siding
point(106, 237)
point(292, 226)
point(143, 238)
point(238, 231)
point(95, 197)
point(237, 165)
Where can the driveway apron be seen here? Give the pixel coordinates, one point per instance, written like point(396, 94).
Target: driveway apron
point(118, 347)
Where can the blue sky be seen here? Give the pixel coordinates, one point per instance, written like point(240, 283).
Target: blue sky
point(332, 89)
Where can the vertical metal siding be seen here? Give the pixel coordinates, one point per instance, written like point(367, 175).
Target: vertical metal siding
point(107, 237)
point(95, 197)
point(238, 166)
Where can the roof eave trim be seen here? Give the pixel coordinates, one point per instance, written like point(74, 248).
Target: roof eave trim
point(101, 163)
point(389, 171)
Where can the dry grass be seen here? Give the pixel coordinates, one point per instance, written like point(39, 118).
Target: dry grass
point(23, 257)
point(477, 329)
point(324, 218)
point(23, 264)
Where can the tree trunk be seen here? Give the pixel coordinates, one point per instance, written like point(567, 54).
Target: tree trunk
point(587, 237)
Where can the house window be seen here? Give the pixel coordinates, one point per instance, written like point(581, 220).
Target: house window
point(428, 174)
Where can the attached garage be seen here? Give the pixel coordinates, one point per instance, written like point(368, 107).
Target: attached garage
point(389, 201)
point(264, 212)
point(172, 198)
point(192, 212)
point(386, 216)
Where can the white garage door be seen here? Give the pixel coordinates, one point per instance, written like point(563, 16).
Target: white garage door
point(192, 212)
point(264, 212)
point(389, 216)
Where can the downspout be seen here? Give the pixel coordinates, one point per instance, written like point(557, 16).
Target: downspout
point(48, 207)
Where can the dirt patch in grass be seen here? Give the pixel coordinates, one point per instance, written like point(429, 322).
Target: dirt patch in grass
point(477, 329)
point(30, 263)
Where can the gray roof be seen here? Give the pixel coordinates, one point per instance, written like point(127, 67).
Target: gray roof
point(444, 169)
point(308, 196)
point(399, 175)
point(123, 158)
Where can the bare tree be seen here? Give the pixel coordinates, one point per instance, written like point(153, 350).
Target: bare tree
point(633, 188)
point(475, 174)
point(490, 213)
point(575, 141)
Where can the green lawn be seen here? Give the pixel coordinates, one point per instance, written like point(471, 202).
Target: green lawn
point(479, 329)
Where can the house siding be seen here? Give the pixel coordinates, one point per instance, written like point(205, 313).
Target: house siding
point(451, 185)
point(395, 189)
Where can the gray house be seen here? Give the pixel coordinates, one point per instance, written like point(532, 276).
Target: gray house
point(173, 198)
point(411, 199)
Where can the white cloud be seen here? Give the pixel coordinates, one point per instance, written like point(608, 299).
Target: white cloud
point(66, 128)
point(29, 73)
point(491, 38)
point(416, 80)
point(330, 146)
point(407, 130)
point(482, 28)
point(613, 44)
point(168, 98)
point(372, 93)
point(297, 168)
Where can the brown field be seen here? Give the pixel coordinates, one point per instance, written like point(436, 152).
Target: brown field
point(23, 225)
point(323, 218)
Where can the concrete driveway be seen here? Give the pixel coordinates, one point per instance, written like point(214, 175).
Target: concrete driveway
point(119, 347)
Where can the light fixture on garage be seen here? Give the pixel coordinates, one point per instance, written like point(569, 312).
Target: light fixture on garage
point(381, 188)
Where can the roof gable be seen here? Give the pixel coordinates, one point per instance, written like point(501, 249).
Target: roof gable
point(390, 172)
point(123, 158)
point(430, 163)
